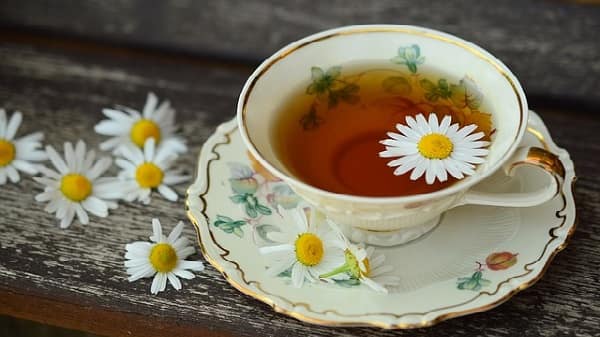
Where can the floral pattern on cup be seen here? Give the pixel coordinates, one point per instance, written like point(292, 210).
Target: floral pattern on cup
point(410, 56)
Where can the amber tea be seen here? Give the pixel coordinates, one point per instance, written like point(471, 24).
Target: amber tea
point(328, 134)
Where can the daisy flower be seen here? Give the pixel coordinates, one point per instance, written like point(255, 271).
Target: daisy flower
point(308, 248)
point(17, 154)
point(367, 266)
point(76, 186)
point(433, 149)
point(128, 127)
point(163, 258)
point(149, 169)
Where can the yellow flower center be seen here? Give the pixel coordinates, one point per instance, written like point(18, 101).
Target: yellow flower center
point(75, 187)
point(435, 146)
point(367, 270)
point(163, 257)
point(7, 152)
point(148, 175)
point(144, 129)
point(309, 249)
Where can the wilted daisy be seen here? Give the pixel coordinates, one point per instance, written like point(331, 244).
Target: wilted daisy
point(163, 258)
point(149, 169)
point(307, 248)
point(367, 266)
point(76, 186)
point(128, 127)
point(17, 154)
point(433, 149)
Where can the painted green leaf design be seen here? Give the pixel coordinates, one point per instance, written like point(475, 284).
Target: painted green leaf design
point(263, 229)
point(228, 225)
point(316, 73)
point(250, 210)
point(322, 81)
point(396, 85)
point(475, 282)
point(311, 120)
point(238, 198)
point(263, 209)
point(347, 93)
point(435, 91)
point(334, 72)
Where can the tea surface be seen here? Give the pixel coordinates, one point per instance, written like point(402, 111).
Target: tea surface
point(328, 134)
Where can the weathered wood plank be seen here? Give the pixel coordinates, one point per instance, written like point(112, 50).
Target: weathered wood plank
point(75, 277)
point(552, 46)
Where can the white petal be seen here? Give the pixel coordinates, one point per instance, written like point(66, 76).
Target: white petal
point(167, 192)
point(280, 266)
point(157, 235)
point(13, 125)
point(420, 168)
point(445, 124)
point(433, 123)
point(183, 273)
point(56, 160)
point(174, 281)
point(150, 105)
point(266, 250)
point(113, 143)
point(81, 214)
point(113, 128)
point(68, 217)
point(474, 137)
point(430, 174)
point(462, 133)
point(2, 176)
point(95, 206)
point(149, 146)
point(397, 136)
point(24, 166)
point(12, 173)
point(452, 168)
point(32, 155)
point(99, 168)
point(172, 179)
point(175, 233)
point(79, 156)
point(411, 134)
point(2, 123)
point(422, 122)
point(70, 157)
point(142, 273)
point(158, 283)
point(191, 265)
point(374, 285)
point(298, 274)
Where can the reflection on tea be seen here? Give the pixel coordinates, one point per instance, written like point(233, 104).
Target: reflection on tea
point(328, 134)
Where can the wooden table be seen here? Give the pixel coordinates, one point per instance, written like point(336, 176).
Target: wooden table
point(61, 64)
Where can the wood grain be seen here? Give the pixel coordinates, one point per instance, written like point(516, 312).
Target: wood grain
point(552, 46)
point(75, 277)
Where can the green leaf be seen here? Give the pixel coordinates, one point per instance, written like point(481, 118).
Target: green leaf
point(316, 73)
point(311, 89)
point(412, 67)
point(238, 199)
point(263, 209)
point(238, 223)
point(351, 282)
point(250, 210)
point(396, 85)
point(223, 218)
point(332, 100)
point(432, 96)
point(334, 72)
point(238, 232)
point(427, 84)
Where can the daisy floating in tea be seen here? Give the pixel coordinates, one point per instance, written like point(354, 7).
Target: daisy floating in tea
point(434, 149)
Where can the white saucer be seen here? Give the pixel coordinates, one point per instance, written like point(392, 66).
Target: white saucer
point(475, 259)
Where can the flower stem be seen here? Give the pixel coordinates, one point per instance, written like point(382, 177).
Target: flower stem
point(341, 269)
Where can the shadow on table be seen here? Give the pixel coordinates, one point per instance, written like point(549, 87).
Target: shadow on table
point(13, 327)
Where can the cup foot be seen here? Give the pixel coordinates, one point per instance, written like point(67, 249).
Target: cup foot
point(389, 238)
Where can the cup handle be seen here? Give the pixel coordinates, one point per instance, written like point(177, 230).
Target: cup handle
point(535, 156)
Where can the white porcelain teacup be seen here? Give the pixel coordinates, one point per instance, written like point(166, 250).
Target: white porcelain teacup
point(394, 220)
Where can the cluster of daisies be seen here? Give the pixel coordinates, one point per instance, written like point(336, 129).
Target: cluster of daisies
point(145, 148)
point(315, 249)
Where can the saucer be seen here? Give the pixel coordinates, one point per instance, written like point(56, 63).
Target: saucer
point(473, 260)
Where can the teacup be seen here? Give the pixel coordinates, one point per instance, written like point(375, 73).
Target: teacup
point(394, 220)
